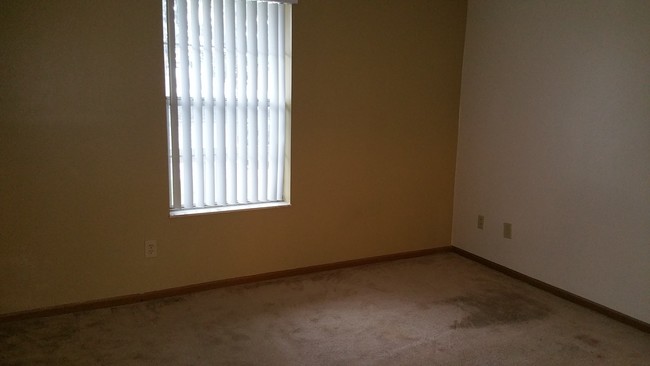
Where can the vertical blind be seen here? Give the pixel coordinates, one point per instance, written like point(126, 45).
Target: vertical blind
point(227, 101)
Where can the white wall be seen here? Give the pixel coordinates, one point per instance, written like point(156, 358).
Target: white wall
point(554, 137)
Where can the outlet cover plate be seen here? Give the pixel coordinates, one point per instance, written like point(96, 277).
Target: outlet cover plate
point(150, 249)
point(507, 230)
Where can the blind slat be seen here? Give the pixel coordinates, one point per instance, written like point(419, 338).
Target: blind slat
point(262, 96)
point(230, 91)
point(281, 104)
point(184, 107)
point(273, 101)
point(240, 57)
point(208, 107)
point(197, 120)
point(251, 99)
point(172, 109)
point(220, 103)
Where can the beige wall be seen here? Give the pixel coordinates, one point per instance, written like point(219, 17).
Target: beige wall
point(554, 137)
point(83, 147)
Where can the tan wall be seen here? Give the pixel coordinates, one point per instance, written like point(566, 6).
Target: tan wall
point(83, 148)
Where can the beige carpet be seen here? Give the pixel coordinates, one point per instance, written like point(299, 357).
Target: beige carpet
point(435, 310)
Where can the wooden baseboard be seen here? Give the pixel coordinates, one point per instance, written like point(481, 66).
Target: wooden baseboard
point(176, 291)
point(611, 313)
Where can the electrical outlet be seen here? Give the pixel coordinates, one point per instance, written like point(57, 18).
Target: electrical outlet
point(481, 222)
point(150, 249)
point(507, 230)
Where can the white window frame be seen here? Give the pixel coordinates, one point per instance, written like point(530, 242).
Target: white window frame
point(245, 167)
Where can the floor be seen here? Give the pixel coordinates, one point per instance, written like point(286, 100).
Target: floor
point(441, 309)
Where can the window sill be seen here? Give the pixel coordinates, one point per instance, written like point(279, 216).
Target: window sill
point(212, 210)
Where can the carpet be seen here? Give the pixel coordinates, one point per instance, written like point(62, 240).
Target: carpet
point(440, 309)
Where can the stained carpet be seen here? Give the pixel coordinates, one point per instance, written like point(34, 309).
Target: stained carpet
point(435, 310)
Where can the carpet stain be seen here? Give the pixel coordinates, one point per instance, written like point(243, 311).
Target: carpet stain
point(497, 308)
point(587, 340)
point(240, 337)
point(236, 336)
point(158, 304)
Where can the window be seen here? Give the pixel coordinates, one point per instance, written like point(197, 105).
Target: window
point(228, 78)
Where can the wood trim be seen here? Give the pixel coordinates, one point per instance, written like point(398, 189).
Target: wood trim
point(611, 313)
point(177, 291)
